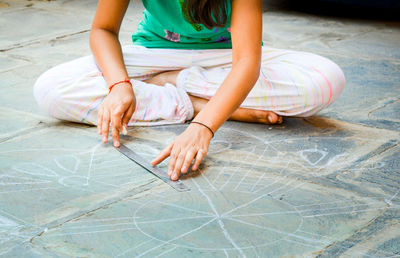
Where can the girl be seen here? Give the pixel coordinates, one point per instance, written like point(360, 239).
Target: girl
point(190, 59)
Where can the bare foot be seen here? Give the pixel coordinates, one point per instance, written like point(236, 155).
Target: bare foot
point(241, 114)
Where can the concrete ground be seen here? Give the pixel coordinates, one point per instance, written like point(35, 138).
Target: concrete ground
point(323, 186)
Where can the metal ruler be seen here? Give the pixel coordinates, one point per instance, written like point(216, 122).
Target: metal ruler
point(177, 185)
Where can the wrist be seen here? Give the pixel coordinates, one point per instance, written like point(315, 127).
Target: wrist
point(204, 126)
point(125, 83)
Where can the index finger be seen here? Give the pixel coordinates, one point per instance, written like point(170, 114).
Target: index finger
point(163, 155)
point(115, 135)
point(99, 120)
point(105, 125)
point(116, 127)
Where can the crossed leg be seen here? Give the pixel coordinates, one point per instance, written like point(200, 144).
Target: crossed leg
point(240, 114)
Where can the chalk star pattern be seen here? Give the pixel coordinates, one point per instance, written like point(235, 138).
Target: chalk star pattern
point(243, 202)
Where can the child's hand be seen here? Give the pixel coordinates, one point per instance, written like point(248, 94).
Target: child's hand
point(116, 108)
point(191, 144)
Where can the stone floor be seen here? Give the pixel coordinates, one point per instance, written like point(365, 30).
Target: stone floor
point(323, 186)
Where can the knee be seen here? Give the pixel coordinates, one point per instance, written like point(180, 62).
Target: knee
point(326, 82)
point(49, 88)
point(330, 80)
point(42, 89)
point(323, 84)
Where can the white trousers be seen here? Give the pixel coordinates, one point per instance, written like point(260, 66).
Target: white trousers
point(291, 83)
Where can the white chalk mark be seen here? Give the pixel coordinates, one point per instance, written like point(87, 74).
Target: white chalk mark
point(97, 226)
point(183, 208)
point(283, 186)
point(208, 181)
point(221, 172)
point(347, 212)
point(228, 146)
point(93, 232)
point(18, 180)
point(220, 222)
point(101, 220)
point(233, 173)
point(255, 199)
point(178, 237)
point(226, 253)
point(255, 251)
point(244, 205)
point(294, 188)
point(61, 180)
point(268, 185)
point(322, 154)
point(76, 164)
point(91, 162)
point(249, 170)
point(278, 180)
point(174, 219)
point(294, 211)
point(322, 203)
point(34, 169)
point(165, 252)
point(389, 201)
point(18, 219)
point(133, 248)
point(256, 183)
point(335, 208)
point(5, 222)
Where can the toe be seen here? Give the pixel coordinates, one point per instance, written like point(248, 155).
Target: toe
point(280, 120)
point(272, 118)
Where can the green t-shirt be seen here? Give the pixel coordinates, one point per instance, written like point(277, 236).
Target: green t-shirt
point(164, 26)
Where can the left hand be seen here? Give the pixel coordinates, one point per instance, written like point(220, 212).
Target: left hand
point(191, 144)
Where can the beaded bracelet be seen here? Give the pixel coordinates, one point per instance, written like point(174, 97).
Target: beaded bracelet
point(194, 122)
point(126, 80)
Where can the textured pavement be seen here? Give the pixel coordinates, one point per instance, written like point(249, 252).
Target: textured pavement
point(322, 186)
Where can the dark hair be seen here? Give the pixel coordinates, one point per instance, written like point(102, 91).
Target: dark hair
point(210, 13)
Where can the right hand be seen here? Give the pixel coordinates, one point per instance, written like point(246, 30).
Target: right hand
point(116, 108)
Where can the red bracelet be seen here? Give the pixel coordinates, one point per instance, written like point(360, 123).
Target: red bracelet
point(126, 80)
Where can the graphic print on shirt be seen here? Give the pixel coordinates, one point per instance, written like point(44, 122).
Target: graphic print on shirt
point(172, 36)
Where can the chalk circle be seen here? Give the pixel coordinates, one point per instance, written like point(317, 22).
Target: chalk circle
point(218, 146)
point(187, 220)
point(73, 181)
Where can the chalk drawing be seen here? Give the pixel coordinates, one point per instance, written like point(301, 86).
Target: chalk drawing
point(253, 191)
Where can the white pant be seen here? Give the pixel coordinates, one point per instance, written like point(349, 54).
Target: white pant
point(291, 83)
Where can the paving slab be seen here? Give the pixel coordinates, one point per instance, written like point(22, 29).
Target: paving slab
point(93, 193)
point(323, 186)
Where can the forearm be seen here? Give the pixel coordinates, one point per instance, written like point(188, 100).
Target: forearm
point(108, 54)
point(231, 93)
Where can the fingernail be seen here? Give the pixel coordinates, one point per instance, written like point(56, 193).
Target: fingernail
point(116, 144)
point(183, 170)
point(270, 119)
point(104, 139)
point(169, 172)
